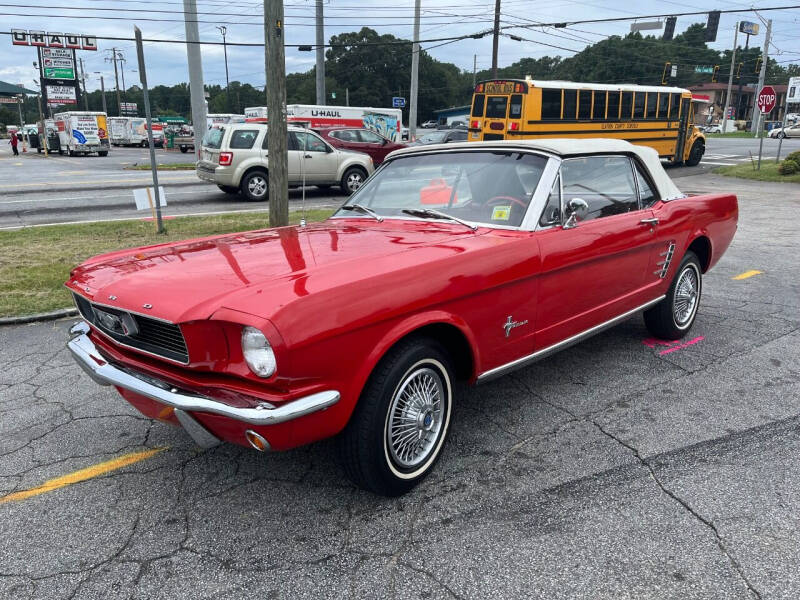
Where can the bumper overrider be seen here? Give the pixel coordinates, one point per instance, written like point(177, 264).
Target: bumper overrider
point(103, 372)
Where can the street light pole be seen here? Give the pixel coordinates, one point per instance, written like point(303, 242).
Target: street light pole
point(730, 80)
point(102, 91)
point(223, 30)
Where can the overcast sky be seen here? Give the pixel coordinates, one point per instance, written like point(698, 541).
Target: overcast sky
point(166, 63)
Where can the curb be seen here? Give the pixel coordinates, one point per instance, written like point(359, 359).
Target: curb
point(111, 186)
point(48, 316)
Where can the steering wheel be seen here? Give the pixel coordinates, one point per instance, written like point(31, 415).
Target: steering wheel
point(498, 199)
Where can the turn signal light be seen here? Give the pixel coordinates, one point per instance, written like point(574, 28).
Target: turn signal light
point(475, 124)
point(256, 441)
point(513, 126)
point(225, 158)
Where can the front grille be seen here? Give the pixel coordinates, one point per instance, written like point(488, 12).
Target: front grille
point(153, 336)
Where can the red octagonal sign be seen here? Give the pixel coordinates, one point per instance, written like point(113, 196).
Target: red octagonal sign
point(766, 99)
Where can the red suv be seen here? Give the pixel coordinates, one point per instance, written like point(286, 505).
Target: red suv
point(360, 140)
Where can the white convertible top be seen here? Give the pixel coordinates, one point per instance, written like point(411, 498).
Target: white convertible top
point(566, 147)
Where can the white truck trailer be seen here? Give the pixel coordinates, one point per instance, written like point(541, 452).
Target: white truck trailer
point(82, 132)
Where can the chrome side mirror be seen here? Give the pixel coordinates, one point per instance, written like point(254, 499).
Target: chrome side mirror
point(577, 208)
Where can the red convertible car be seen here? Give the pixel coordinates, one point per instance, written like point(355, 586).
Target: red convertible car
point(463, 261)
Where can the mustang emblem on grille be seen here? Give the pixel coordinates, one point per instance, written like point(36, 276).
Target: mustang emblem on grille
point(511, 324)
point(123, 324)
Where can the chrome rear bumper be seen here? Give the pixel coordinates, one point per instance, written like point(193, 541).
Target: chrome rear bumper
point(101, 371)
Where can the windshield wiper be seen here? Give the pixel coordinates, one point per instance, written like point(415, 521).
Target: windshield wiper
point(363, 209)
point(435, 214)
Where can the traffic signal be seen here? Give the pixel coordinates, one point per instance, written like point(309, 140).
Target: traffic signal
point(758, 65)
point(667, 67)
point(711, 26)
point(715, 74)
point(669, 28)
point(739, 70)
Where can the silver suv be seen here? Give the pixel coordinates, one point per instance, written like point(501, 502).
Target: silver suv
point(234, 156)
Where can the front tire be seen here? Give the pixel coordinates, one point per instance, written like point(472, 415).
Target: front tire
point(184, 149)
point(255, 186)
point(695, 154)
point(673, 317)
point(400, 424)
point(353, 179)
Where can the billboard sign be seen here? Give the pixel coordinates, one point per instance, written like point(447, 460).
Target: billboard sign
point(47, 39)
point(748, 28)
point(61, 94)
point(793, 91)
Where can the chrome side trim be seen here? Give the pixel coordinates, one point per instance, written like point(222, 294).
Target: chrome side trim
point(570, 341)
point(91, 361)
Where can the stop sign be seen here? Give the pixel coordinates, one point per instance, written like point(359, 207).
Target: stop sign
point(766, 99)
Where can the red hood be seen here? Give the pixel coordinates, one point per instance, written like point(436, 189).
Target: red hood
point(190, 280)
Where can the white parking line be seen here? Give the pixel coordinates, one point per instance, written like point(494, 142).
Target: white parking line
point(84, 197)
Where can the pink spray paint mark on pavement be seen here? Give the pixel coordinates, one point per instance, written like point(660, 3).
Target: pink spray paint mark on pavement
point(671, 346)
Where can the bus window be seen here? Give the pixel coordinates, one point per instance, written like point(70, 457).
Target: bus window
point(663, 106)
point(652, 104)
point(627, 106)
point(585, 104)
point(599, 109)
point(551, 104)
point(477, 105)
point(675, 106)
point(638, 105)
point(496, 107)
point(613, 106)
point(570, 104)
point(515, 110)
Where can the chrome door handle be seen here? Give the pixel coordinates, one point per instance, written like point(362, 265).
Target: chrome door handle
point(651, 222)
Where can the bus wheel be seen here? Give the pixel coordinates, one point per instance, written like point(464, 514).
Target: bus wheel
point(696, 153)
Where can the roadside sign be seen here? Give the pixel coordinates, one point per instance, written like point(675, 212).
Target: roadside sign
point(59, 72)
point(61, 94)
point(674, 71)
point(766, 99)
point(704, 69)
point(748, 28)
point(145, 198)
point(793, 90)
point(398, 102)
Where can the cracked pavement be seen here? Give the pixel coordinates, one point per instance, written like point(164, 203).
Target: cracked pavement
point(609, 470)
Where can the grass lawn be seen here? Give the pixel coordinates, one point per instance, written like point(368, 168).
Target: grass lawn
point(160, 167)
point(768, 172)
point(35, 261)
point(733, 134)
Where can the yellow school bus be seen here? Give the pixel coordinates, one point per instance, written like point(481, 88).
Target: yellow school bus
point(655, 116)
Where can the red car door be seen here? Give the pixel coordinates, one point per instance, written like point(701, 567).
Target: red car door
point(597, 269)
point(376, 146)
point(346, 139)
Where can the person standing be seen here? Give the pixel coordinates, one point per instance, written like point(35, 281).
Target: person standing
point(14, 142)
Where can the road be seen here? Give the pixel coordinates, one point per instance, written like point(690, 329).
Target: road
point(63, 189)
point(620, 468)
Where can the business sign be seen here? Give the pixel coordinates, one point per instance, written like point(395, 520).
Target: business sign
point(8, 100)
point(62, 53)
point(49, 39)
point(61, 94)
point(398, 102)
point(793, 91)
point(748, 28)
point(131, 106)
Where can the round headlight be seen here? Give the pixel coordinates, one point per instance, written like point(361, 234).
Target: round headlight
point(257, 352)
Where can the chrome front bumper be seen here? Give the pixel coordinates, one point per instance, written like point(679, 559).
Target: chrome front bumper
point(101, 371)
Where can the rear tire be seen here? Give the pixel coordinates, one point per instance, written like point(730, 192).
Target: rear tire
point(399, 426)
point(353, 179)
point(184, 149)
point(103, 153)
point(695, 154)
point(673, 317)
point(255, 186)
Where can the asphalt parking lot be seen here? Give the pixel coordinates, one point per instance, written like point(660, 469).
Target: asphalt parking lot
point(620, 468)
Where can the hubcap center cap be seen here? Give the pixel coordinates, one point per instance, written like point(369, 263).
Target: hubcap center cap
point(425, 419)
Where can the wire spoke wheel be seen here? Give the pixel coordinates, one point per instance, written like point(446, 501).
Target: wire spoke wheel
point(415, 417)
point(687, 292)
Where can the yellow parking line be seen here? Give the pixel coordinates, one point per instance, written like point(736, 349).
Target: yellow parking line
point(747, 274)
point(82, 475)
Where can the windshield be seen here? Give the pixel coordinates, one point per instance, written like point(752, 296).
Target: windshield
point(488, 187)
point(213, 137)
point(433, 138)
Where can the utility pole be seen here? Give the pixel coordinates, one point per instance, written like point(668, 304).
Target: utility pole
point(755, 123)
point(739, 109)
point(474, 69)
point(224, 30)
point(495, 37)
point(146, 98)
point(116, 78)
point(83, 79)
point(103, 94)
point(320, 54)
point(43, 137)
point(275, 63)
point(347, 96)
point(730, 80)
point(412, 111)
point(195, 73)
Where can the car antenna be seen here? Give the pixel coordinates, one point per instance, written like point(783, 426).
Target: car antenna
point(303, 169)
